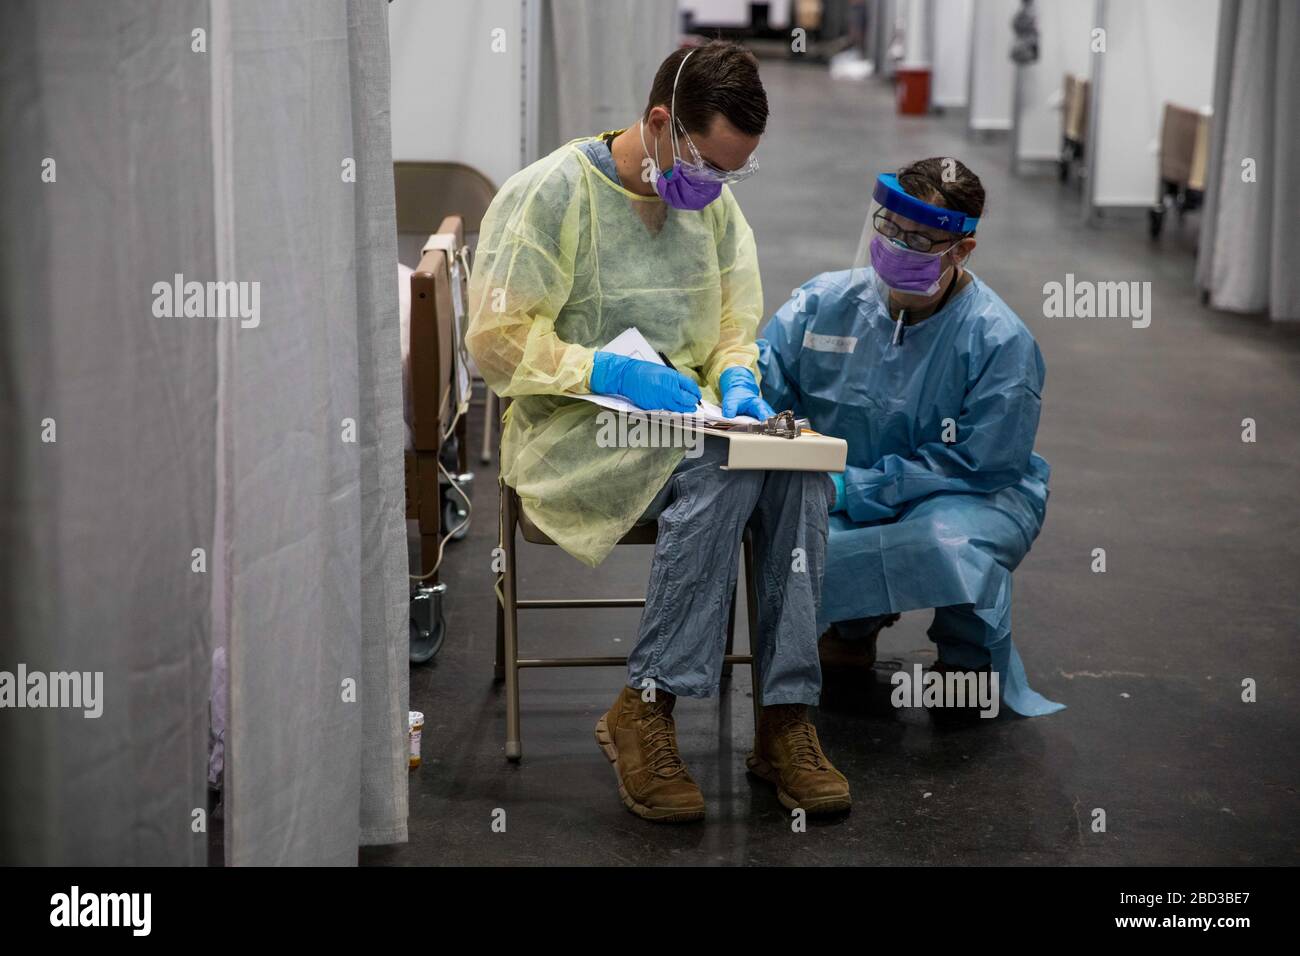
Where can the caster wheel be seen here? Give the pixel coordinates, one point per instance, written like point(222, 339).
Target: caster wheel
point(428, 623)
point(1063, 170)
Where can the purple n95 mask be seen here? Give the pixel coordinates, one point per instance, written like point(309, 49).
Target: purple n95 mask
point(676, 187)
point(906, 270)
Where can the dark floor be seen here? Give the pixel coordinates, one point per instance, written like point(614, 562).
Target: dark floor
point(1142, 428)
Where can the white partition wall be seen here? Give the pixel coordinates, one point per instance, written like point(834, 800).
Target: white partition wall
point(1157, 51)
point(917, 36)
point(1064, 31)
point(718, 13)
point(883, 16)
point(457, 83)
point(991, 69)
point(952, 46)
point(497, 83)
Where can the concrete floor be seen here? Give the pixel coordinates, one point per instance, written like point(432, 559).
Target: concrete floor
point(1142, 428)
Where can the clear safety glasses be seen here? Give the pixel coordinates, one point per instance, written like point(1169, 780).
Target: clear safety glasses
point(894, 227)
point(703, 169)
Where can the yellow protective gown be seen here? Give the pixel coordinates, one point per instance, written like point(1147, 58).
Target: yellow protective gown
point(566, 261)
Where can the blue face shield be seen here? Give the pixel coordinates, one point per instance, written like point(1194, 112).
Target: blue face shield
point(904, 239)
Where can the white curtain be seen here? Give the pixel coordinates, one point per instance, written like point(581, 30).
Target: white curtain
point(598, 59)
point(107, 424)
point(273, 444)
point(1253, 181)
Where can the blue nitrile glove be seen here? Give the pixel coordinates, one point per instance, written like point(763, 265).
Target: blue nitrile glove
point(837, 478)
point(647, 385)
point(740, 395)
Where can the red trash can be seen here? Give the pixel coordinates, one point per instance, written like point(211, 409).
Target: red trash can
point(912, 86)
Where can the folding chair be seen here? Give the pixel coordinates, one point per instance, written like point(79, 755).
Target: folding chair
point(508, 661)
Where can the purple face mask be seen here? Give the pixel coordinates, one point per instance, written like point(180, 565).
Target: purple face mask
point(677, 189)
point(906, 270)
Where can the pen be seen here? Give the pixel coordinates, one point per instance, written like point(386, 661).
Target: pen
point(664, 358)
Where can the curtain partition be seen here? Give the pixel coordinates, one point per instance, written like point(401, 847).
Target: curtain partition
point(1253, 179)
point(265, 431)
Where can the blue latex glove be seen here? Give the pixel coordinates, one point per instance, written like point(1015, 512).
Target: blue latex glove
point(740, 395)
point(837, 478)
point(647, 385)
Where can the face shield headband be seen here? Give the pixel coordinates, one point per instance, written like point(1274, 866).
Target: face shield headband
point(890, 195)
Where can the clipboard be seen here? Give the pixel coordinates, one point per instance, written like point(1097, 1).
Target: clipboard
point(748, 451)
point(752, 451)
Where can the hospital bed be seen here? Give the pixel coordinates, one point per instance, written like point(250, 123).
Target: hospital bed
point(434, 395)
point(1184, 148)
point(439, 208)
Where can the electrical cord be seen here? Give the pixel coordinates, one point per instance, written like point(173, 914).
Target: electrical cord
point(469, 512)
point(455, 486)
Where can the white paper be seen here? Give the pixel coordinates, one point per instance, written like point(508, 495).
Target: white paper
point(632, 344)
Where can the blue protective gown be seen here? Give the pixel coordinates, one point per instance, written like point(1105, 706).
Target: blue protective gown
point(926, 523)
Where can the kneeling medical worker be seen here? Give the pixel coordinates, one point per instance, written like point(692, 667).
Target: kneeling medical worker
point(936, 385)
point(592, 240)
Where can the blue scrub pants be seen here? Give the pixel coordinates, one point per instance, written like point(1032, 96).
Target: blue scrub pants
point(701, 513)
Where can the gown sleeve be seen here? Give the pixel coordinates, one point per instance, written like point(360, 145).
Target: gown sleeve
point(742, 295)
point(523, 275)
point(994, 438)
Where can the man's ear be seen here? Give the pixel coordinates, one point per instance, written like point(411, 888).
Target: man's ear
point(657, 120)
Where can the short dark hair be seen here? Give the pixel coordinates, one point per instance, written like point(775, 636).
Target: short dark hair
point(944, 181)
point(719, 77)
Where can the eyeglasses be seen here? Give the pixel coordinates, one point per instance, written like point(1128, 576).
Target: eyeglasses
point(706, 170)
point(916, 241)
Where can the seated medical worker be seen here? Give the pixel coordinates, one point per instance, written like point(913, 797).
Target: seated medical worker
point(936, 385)
point(600, 237)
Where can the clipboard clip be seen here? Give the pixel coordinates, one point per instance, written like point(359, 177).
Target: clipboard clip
point(782, 425)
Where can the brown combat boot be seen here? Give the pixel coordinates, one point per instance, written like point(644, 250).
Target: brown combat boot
point(640, 740)
point(851, 645)
point(788, 755)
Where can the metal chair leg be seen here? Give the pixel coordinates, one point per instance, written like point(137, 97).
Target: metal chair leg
point(751, 606)
point(499, 662)
point(514, 747)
